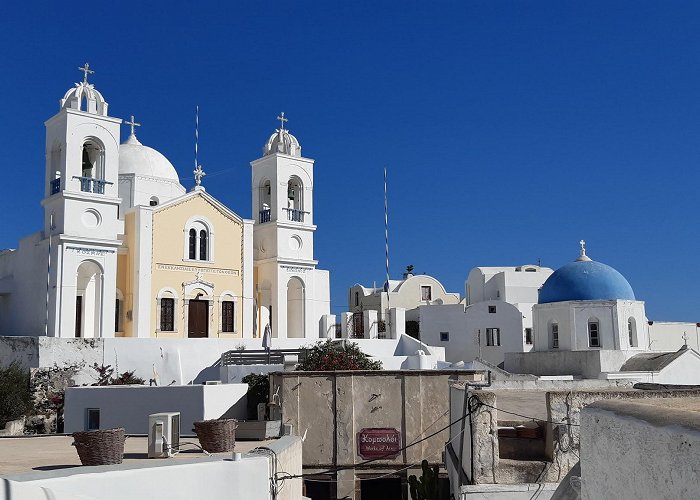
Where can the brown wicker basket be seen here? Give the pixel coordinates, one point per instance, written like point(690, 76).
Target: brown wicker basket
point(216, 436)
point(101, 447)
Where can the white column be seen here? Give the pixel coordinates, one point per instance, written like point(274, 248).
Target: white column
point(345, 321)
point(397, 317)
point(247, 303)
point(327, 326)
point(369, 318)
point(143, 302)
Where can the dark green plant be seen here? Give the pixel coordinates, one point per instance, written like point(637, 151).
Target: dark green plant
point(15, 398)
point(425, 488)
point(330, 356)
point(258, 392)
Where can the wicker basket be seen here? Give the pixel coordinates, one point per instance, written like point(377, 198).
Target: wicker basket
point(101, 447)
point(216, 436)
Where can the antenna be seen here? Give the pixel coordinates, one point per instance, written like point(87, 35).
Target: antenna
point(386, 234)
point(196, 136)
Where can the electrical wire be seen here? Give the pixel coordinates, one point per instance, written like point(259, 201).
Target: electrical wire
point(473, 406)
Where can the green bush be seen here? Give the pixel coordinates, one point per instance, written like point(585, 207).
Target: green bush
point(258, 392)
point(15, 399)
point(330, 356)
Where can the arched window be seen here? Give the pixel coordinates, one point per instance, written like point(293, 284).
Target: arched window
point(93, 159)
point(632, 331)
point(265, 197)
point(192, 254)
point(295, 200)
point(593, 333)
point(153, 201)
point(203, 245)
point(166, 319)
point(199, 240)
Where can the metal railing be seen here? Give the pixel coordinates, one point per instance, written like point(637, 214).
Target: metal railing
point(259, 356)
point(92, 185)
point(265, 215)
point(295, 215)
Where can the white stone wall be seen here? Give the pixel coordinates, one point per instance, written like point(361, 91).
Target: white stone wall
point(128, 406)
point(631, 450)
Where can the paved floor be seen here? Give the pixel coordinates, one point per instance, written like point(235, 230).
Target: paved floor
point(37, 453)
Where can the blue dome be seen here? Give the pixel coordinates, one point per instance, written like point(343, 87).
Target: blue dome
point(585, 280)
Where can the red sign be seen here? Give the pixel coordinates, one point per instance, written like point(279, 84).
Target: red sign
point(378, 443)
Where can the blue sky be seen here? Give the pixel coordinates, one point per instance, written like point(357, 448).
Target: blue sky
point(511, 130)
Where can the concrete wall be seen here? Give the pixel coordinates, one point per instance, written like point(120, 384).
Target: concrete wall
point(631, 450)
point(331, 408)
point(247, 478)
point(587, 363)
point(129, 406)
point(178, 361)
point(562, 440)
point(668, 336)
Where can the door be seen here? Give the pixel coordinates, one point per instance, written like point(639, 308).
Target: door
point(197, 324)
point(78, 316)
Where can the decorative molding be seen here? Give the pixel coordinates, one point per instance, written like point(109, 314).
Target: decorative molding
point(194, 269)
point(296, 269)
point(89, 251)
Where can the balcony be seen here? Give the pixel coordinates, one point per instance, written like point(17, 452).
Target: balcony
point(92, 185)
point(295, 215)
point(265, 215)
point(55, 186)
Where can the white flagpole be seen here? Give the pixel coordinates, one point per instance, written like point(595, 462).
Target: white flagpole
point(48, 279)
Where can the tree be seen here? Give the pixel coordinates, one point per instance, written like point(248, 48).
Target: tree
point(330, 356)
point(15, 398)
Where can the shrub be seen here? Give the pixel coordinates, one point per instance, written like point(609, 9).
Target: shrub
point(258, 392)
point(15, 398)
point(105, 376)
point(329, 356)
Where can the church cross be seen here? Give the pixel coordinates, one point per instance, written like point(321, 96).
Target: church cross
point(583, 247)
point(133, 124)
point(282, 119)
point(86, 70)
point(198, 174)
point(685, 338)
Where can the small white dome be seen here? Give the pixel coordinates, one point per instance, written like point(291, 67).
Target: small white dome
point(282, 142)
point(84, 91)
point(135, 158)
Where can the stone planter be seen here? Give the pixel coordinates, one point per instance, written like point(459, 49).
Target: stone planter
point(258, 430)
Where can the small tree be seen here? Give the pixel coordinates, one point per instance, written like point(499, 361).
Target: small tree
point(15, 398)
point(105, 376)
point(330, 356)
point(258, 392)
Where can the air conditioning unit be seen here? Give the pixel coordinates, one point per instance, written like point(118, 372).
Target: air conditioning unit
point(163, 434)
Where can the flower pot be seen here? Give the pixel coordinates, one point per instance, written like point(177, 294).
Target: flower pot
point(100, 447)
point(216, 436)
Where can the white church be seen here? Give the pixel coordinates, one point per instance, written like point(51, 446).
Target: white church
point(127, 251)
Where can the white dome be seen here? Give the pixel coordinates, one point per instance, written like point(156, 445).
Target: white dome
point(135, 158)
point(282, 142)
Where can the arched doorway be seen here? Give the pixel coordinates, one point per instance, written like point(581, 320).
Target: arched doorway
point(295, 308)
point(88, 300)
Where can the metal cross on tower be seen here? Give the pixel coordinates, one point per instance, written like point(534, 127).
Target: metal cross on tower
point(685, 338)
point(86, 70)
point(133, 124)
point(198, 174)
point(282, 119)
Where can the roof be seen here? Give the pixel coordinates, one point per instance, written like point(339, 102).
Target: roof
point(585, 280)
point(652, 361)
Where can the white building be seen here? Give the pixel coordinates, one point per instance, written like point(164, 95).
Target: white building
point(518, 286)
point(126, 251)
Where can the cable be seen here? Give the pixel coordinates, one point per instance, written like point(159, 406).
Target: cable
point(536, 419)
point(476, 406)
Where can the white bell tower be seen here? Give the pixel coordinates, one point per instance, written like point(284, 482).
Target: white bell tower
point(291, 294)
point(81, 214)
